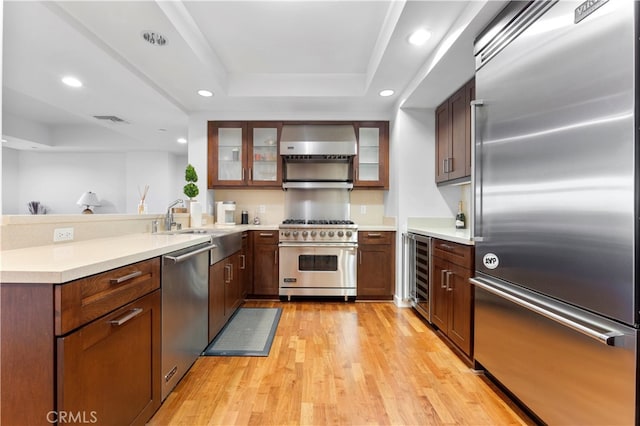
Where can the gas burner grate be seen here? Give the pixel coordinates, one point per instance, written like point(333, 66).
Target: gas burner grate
point(317, 222)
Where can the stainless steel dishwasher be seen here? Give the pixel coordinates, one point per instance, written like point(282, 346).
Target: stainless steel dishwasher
point(185, 305)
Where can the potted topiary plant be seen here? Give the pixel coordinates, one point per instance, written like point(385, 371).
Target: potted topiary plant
point(191, 190)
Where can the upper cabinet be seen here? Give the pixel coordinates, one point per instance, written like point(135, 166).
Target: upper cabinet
point(247, 154)
point(244, 153)
point(453, 136)
point(372, 161)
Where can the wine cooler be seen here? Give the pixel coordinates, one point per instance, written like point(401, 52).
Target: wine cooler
point(417, 250)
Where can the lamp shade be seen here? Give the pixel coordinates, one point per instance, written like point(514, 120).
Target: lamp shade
point(88, 199)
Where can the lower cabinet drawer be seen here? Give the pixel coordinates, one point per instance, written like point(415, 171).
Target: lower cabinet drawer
point(81, 301)
point(109, 370)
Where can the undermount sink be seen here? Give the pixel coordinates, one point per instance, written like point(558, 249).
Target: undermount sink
point(212, 232)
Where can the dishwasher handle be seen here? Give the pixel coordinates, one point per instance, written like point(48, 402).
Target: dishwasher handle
point(183, 257)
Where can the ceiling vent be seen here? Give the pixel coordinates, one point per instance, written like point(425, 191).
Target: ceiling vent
point(111, 118)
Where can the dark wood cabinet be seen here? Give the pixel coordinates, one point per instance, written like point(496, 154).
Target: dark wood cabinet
point(244, 154)
point(371, 164)
point(245, 270)
point(453, 136)
point(225, 291)
point(108, 369)
point(451, 292)
point(265, 264)
point(89, 348)
point(376, 265)
point(217, 299)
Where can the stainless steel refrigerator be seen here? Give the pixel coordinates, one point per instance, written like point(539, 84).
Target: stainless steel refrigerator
point(556, 207)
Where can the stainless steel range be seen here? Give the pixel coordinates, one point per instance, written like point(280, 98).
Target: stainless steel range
point(318, 258)
point(317, 255)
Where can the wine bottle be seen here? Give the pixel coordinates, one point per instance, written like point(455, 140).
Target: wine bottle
point(460, 219)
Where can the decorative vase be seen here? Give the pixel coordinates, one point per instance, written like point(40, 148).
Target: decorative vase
point(195, 213)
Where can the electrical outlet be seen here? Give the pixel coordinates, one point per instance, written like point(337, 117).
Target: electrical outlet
point(363, 209)
point(261, 208)
point(62, 234)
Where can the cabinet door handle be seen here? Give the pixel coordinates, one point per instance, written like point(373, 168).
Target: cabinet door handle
point(242, 174)
point(132, 314)
point(449, 288)
point(125, 277)
point(266, 234)
point(250, 174)
point(227, 273)
point(231, 272)
point(244, 261)
point(360, 257)
point(275, 257)
point(444, 165)
point(443, 278)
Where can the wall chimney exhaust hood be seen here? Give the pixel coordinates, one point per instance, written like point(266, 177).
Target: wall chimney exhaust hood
point(317, 156)
point(335, 142)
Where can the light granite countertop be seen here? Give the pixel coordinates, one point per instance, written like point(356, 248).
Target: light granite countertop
point(440, 228)
point(63, 262)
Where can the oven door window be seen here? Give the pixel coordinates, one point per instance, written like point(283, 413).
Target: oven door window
point(314, 262)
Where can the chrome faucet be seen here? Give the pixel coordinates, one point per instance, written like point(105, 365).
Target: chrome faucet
point(168, 218)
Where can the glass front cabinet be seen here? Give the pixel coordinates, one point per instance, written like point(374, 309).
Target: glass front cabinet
point(371, 163)
point(244, 154)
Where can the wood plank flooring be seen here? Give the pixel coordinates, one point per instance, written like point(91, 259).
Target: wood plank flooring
point(340, 363)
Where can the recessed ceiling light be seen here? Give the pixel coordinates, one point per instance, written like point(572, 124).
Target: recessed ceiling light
point(71, 81)
point(182, 140)
point(205, 93)
point(386, 92)
point(419, 37)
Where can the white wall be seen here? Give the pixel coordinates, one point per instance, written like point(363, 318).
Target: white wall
point(57, 179)
point(412, 188)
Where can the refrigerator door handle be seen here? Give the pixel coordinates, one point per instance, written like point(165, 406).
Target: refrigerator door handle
point(606, 338)
point(476, 224)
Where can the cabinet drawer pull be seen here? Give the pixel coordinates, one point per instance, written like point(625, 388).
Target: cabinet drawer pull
point(374, 235)
point(134, 313)
point(125, 278)
point(266, 234)
point(447, 247)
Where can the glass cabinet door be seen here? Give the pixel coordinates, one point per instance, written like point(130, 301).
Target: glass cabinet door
point(227, 156)
point(264, 156)
point(230, 154)
point(371, 168)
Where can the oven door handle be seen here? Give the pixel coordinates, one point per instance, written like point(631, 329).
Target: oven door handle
point(320, 245)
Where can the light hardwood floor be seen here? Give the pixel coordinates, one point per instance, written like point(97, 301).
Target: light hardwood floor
point(340, 363)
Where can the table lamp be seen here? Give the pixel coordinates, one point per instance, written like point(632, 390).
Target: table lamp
point(88, 199)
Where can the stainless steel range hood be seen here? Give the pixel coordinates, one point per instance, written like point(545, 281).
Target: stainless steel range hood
point(317, 156)
point(318, 142)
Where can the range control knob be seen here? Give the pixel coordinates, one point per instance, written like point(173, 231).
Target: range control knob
point(331, 234)
point(287, 233)
point(340, 234)
point(349, 233)
point(322, 233)
point(304, 234)
point(313, 233)
point(295, 233)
